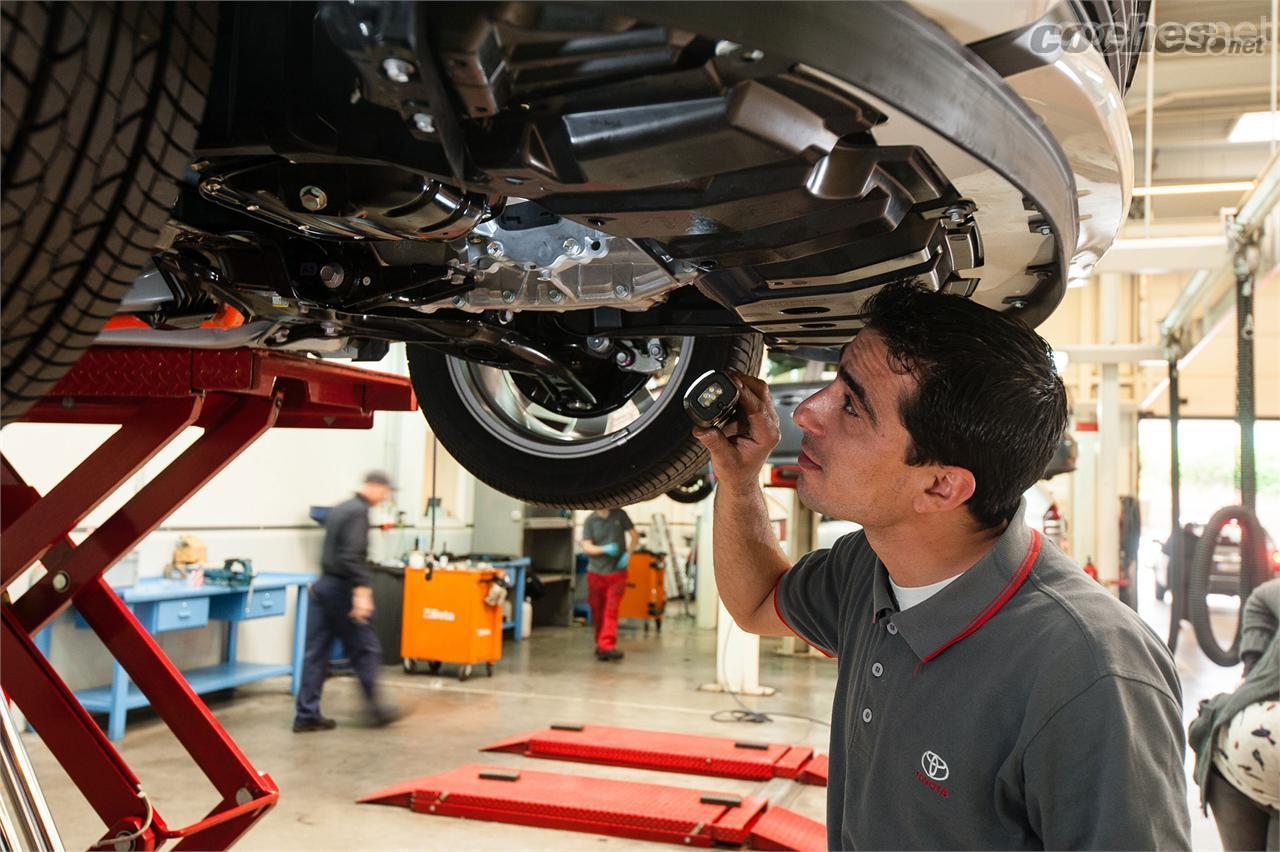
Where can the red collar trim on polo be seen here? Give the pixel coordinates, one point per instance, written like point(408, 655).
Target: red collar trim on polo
point(824, 652)
point(1015, 582)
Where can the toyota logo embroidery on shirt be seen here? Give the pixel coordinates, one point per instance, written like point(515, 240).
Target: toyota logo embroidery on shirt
point(934, 766)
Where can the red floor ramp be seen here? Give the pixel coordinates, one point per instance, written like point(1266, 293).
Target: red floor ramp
point(670, 752)
point(814, 772)
point(779, 828)
point(603, 806)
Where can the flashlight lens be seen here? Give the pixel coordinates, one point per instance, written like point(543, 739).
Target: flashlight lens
point(710, 395)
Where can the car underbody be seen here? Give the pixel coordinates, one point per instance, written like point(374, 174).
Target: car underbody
point(558, 205)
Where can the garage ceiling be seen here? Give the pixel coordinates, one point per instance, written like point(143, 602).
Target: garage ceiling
point(1198, 99)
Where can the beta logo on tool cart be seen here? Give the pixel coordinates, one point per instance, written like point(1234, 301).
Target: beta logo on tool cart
point(935, 769)
point(438, 614)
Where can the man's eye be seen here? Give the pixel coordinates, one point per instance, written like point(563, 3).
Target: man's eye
point(848, 406)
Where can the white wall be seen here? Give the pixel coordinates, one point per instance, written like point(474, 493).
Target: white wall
point(256, 508)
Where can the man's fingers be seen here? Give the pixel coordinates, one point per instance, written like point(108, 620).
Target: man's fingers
point(712, 439)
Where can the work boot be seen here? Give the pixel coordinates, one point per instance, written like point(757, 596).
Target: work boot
point(611, 654)
point(320, 723)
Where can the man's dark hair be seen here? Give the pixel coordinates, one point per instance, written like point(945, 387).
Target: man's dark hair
point(987, 399)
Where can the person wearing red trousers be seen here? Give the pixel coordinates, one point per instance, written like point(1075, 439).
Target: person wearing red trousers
point(608, 538)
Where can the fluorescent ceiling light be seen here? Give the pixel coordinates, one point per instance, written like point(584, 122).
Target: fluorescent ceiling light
point(1193, 188)
point(1261, 126)
point(1205, 241)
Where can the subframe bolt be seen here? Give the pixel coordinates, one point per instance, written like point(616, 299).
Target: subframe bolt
point(424, 122)
point(332, 275)
point(494, 249)
point(621, 291)
point(313, 198)
point(329, 329)
point(572, 247)
point(597, 344)
point(555, 296)
point(656, 349)
point(624, 358)
point(61, 581)
point(398, 70)
point(508, 296)
point(459, 301)
point(1045, 230)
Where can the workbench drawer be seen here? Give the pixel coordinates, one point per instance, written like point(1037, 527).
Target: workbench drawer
point(259, 603)
point(265, 602)
point(181, 614)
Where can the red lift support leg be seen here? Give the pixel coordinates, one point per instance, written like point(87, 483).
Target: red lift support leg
point(120, 457)
point(236, 396)
point(134, 521)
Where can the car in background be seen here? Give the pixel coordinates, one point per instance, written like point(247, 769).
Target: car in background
point(1224, 579)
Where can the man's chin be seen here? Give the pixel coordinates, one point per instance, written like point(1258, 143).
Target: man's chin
point(807, 490)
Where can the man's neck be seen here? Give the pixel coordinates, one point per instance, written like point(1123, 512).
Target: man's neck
point(930, 548)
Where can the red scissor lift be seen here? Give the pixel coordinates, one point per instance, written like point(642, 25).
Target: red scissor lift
point(153, 394)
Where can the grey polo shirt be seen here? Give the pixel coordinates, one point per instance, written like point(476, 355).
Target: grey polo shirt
point(607, 530)
point(1021, 707)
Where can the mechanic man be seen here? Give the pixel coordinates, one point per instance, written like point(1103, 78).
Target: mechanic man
point(608, 538)
point(989, 694)
point(341, 605)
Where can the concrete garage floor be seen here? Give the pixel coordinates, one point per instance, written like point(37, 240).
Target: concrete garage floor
point(553, 677)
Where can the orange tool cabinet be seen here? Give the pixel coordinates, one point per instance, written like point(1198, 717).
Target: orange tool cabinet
point(446, 619)
point(646, 594)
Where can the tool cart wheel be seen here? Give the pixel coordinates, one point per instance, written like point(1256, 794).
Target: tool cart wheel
point(464, 672)
point(433, 666)
point(410, 665)
point(488, 669)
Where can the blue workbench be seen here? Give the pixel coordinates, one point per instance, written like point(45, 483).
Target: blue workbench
point(167, 605)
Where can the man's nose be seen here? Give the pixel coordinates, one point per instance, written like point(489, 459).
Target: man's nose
point(808, 414)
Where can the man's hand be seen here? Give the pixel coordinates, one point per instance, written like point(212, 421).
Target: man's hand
point(361, 603)
point(624, 559)
point(740, 448)
point(611, 549)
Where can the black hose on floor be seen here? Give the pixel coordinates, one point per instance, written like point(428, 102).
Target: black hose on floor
point(1253, 565)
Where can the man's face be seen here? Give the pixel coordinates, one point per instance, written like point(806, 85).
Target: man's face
point(376, 493)
point(852, 460)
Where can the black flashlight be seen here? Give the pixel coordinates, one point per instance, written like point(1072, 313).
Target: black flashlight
point(711, 399)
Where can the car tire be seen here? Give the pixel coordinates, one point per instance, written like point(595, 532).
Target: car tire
point(658, 457)
point(101, 103)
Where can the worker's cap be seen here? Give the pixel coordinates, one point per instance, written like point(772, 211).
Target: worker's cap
point(379, 477)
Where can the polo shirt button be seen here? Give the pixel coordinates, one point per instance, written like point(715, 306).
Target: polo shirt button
point(866, 714)
point(892, 628)
point(877, 669)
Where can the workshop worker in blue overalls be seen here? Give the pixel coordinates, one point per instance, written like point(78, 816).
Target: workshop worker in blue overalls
point(608, 539)
point(341, 606)
point(989, 694)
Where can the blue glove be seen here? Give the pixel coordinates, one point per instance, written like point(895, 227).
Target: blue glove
point(611, 549)
point(622, 563)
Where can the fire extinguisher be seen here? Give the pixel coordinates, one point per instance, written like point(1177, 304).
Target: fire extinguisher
point(1090, 569)
point(1054, 528)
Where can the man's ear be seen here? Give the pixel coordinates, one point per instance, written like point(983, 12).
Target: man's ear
point(947, 488)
